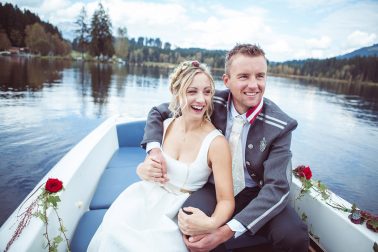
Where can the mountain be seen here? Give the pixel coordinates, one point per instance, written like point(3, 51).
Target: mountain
point(362, 52)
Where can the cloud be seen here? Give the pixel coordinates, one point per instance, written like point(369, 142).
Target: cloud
point(285, 30)
point(360, 39)
point(319, 43)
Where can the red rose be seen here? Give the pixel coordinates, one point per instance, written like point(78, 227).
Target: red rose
point(53, 185)
point(307, 172)
point(303, 172)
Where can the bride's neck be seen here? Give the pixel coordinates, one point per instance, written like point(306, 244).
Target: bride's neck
point(188, 124)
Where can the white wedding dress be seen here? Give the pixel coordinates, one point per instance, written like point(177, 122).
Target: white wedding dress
point(144, 216)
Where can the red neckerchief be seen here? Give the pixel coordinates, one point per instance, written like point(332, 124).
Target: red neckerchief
point(252, 112)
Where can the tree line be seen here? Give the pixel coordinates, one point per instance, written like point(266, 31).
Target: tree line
point(356, 69)
point(94, 39)
point(25, 29)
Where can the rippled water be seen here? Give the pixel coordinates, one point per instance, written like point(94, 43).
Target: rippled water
point(48, 106)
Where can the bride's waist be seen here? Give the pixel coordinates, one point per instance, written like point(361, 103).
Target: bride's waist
point(175, 189)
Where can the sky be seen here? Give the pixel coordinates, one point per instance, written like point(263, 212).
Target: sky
point(286, 30)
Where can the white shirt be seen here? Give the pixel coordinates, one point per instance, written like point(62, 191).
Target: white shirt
point(235, 225)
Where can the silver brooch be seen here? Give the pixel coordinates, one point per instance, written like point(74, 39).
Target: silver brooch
point(262, 144)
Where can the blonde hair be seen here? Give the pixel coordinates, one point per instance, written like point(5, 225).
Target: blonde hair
point(180, 80)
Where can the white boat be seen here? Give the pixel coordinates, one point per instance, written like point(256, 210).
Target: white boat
point(100, 166)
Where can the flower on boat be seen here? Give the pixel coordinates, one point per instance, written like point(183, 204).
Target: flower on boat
point(304, 173)
point(38, 208)
point(357, 216)
point(53, 185)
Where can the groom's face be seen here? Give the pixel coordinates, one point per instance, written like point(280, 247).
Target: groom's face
point(246, 80)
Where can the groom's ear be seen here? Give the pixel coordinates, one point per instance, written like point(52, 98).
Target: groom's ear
point(226, 79)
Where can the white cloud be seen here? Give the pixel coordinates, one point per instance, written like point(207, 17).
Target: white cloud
point(317, 5)
point(320, 43)
point(360, 39)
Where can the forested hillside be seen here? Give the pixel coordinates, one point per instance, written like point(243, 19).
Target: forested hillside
point(25, 29)
point(360, 69)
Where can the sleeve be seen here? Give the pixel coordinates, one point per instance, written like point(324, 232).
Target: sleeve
point(153, 131)
point(274, 194)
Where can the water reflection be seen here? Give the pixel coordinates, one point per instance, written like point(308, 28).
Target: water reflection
point(48, 106)
point(361, 100)
point(23, 74)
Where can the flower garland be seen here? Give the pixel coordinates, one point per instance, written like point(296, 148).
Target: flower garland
point(38, 208)
point(357, 216)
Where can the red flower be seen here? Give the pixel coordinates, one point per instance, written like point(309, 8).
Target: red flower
point(303, 172)
point(53, 185)
point(307, 172)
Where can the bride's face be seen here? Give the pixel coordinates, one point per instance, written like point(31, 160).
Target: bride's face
point(198, 96)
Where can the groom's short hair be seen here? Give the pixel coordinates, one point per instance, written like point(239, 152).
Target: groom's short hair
point(245, 49)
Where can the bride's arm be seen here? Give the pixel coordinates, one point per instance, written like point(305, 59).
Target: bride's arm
point(198, 222)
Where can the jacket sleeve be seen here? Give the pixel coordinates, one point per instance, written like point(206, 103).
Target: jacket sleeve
point(274, 194)
point(153, 131)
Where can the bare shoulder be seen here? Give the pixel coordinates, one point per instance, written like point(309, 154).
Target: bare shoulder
point(219, 154)
point(219, 146)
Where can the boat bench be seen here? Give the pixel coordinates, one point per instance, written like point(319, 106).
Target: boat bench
point(118, 175)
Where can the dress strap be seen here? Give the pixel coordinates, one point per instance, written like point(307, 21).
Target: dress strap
point(204, 149)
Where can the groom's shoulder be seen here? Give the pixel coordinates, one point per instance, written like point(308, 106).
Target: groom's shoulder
point(271, 111)
point(221, 97)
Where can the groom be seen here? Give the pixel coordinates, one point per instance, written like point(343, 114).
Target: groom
point(262, 206)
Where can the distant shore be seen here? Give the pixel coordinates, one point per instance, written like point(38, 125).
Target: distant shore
point(322, 79)
point(75, 56)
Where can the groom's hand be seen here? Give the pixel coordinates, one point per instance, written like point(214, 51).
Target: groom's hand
point(154, 167)
point(204, 243)
point(192, 221)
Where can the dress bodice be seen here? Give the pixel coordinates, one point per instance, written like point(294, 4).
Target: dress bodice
point(189, 176)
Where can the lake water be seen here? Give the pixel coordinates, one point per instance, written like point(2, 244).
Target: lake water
point(46, 107)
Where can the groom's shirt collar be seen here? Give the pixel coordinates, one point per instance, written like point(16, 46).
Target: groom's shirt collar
point(252, 112)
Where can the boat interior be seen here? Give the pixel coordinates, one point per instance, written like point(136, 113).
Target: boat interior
point(118, 175)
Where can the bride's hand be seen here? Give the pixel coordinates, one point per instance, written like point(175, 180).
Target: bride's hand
point(153, 168)
point(196, 223)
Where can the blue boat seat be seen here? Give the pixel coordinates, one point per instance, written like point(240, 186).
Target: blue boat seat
point(85, 229)
point(127, 158)
point(112, 183)
point(130, 134)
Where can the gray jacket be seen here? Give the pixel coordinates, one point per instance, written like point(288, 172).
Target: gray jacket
point(267, 155)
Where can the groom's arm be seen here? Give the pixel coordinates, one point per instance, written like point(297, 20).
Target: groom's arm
point(153, 131)
point(154, 167)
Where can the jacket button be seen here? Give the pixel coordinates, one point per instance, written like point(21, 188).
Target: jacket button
point(250, 146)
point(261, 183)
point(247, 163)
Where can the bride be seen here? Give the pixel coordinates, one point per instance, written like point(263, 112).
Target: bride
point(144, 216)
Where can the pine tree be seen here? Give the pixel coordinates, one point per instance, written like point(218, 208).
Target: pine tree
point(82, 32)
point(101, 35)
point(121, 44)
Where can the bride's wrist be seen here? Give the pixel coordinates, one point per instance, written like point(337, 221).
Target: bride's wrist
point(212, 224)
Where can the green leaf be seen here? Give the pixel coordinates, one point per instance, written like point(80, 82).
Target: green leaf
point(53, 200)
point(41, 216)
point(58, 239)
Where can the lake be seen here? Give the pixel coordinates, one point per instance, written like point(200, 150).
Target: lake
point(47, 106)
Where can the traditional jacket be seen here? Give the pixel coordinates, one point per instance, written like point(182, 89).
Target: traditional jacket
point(267, 155)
